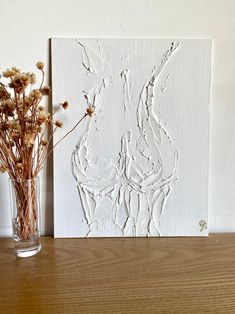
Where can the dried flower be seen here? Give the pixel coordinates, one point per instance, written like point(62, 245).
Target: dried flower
point(49, 121)
point(45, 90)
point(4, 95)
point(19, 166)
point(41, 108)
point(29, 139)
point(35, 94)
point(42, 118)
point(3, 167)
point(19, 82)
point(59, 124)
point(8, 73)
point(16, 70)
point(65, 105)
point(44, 142)
point(90, 110)
point(32, 78)
point(40, 65)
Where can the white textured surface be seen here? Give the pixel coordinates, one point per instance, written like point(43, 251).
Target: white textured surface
point(140, 165)
point(27, 24)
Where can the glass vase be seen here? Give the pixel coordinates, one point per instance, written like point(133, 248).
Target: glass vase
point(25, 216)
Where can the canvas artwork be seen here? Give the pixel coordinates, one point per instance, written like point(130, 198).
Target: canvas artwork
point(139, 166)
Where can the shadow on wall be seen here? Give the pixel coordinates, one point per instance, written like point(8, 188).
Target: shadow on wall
point(48, 201)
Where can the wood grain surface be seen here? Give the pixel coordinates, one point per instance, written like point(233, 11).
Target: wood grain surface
point(121, 275)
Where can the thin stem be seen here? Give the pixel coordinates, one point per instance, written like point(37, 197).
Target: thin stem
point(43, 77)
point(70, 131)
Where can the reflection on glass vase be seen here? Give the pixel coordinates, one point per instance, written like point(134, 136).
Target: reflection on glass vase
point(25, 216)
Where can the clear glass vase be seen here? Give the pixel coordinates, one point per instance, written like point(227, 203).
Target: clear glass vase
point(25, 203)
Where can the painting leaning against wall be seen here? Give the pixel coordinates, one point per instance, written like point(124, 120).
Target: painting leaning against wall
point(139, 167)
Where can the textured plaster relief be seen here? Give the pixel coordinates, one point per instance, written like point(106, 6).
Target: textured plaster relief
point(127, 89)
point(164, 85)
point(92, 58)
point(125, 196)
point(133, 169)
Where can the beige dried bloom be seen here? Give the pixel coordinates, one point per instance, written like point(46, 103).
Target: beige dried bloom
point(29, 139)
point(19, 82)
point(8, 73)
point(59, 124)
point(40, 65)
point(32, 77)
point(35, 94)
point(45, 90)
point(42, 118)
point(16, 70)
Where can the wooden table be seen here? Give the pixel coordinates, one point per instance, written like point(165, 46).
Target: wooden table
point(130, 275)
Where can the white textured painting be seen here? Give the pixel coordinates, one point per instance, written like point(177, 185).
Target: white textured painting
point(139, 166)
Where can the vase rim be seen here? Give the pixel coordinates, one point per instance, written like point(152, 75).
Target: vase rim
point(20, 180)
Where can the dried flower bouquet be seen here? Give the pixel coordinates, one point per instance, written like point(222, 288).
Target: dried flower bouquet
point(24, 125)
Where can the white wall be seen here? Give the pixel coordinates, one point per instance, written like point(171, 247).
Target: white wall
point(27, 25)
